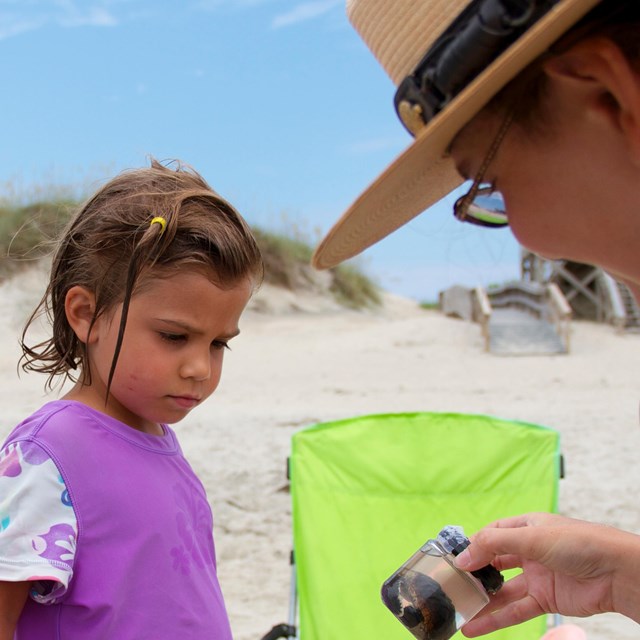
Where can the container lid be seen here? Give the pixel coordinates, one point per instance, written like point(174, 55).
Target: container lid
point(453, 541)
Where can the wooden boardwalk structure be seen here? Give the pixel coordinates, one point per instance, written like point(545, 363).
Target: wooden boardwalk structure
point(524, 318)
point(532, 316)
point(591, 292)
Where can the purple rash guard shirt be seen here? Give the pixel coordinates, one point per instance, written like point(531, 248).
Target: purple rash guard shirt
point(144, 565)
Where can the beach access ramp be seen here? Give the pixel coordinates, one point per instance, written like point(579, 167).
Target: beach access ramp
point(518, 318)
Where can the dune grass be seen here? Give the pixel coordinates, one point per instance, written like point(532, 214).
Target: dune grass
point(28, 232)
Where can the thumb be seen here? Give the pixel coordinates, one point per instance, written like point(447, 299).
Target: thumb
point(468, 560)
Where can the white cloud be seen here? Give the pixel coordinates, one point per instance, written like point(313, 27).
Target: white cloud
point(212, 5)
point(95, 16)
point(303, 12)
point(300, 12)
point(30, 16)
point(12, 26)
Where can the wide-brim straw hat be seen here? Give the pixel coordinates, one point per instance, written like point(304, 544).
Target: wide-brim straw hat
point(399, 33)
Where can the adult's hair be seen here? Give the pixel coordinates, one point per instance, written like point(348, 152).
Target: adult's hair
point(110, 245)
point(617, 20)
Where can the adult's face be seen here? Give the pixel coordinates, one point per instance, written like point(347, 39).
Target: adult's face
point(572, 185)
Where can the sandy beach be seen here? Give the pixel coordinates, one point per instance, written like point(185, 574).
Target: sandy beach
point(294, 367)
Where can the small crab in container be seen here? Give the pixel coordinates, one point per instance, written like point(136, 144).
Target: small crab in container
point(420, 604)
point(432, 597)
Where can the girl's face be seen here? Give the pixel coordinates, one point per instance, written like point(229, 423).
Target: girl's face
point(177, 331)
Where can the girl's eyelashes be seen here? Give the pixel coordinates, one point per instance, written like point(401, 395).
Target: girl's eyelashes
point(181, 337)
point(172, 337)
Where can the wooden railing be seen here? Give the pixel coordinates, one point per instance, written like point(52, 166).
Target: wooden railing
point(559, 312)
point(546, 302)
point(615, 311)
point(528, 296)
point(482, 313)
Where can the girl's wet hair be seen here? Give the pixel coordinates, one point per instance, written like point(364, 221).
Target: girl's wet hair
point(110, 245)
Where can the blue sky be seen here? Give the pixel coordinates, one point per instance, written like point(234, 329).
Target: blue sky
point(277, 103)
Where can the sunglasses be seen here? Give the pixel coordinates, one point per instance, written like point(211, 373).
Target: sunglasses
point(482, 205)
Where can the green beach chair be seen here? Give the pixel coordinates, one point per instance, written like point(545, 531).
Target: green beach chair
point(367, 492)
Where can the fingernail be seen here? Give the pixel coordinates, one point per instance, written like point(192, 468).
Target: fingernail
point(463, 560)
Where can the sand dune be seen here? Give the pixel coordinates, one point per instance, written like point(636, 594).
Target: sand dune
point(290, 369)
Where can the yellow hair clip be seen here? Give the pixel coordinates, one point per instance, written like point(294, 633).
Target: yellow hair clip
point(161, 221)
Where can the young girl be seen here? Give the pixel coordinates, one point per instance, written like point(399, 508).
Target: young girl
point(105, 531)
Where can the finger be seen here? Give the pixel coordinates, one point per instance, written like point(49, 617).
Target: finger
point(490, 543)
point(529, 520)
point(504, 563)
point(512, 614)
point(512, 591)
point(478, 554)
point(512, 522)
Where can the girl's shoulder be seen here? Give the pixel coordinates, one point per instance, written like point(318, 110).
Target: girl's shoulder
point(76, 429)
point(53, 416)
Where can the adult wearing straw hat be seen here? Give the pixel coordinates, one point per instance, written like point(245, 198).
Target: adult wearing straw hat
point(537, 103)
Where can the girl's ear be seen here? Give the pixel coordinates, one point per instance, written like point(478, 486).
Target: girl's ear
point(598, 72)
point(79, 307)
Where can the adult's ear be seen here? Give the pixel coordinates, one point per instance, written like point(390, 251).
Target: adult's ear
point(597, 70)
point(80, 306)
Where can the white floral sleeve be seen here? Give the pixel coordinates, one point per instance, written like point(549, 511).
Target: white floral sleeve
point(38, 527)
